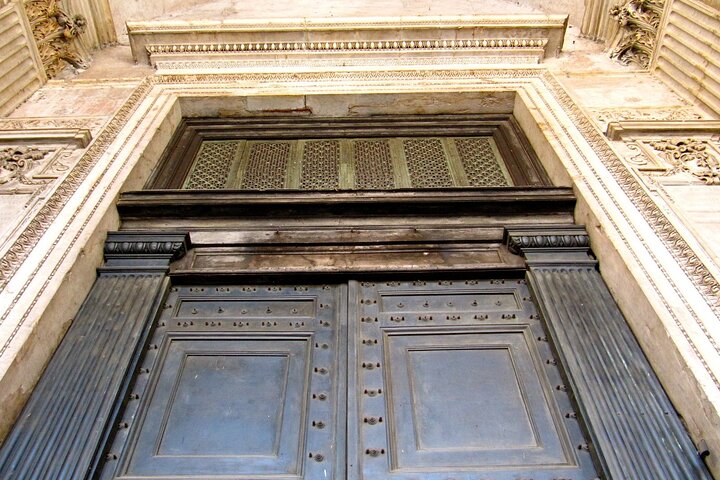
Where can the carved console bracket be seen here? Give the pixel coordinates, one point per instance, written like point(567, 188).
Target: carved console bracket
point(73, 404)
point(546, 245)
point(634, 430)
point(55, 32)
point(639, 21)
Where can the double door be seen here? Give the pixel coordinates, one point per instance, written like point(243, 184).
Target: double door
point(402, 380)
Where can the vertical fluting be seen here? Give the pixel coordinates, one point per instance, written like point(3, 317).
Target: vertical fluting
point(62, 423)
point(630, 419)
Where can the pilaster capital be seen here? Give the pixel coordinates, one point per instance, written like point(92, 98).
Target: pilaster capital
point(550, 244)
point(144, 249)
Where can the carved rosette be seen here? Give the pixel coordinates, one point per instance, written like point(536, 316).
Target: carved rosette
point(690, 155)
point(16, 163)
point(54, 31)
point(639, 21)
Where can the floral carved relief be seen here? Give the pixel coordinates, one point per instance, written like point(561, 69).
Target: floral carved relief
point(17, 163)
point(690, 155)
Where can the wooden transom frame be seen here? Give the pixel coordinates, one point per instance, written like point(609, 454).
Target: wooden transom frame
point(518, 157)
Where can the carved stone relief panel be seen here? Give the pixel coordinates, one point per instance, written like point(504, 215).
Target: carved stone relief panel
point(676, 159)
point(17, 165)
point(682, 175)
point(671, 151)
point(31, 163)
point(698, 157)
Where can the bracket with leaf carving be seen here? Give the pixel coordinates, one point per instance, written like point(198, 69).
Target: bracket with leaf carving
point(55, 31)
point(639, 21)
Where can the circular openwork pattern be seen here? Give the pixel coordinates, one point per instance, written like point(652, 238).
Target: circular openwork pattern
point(212, 166)
point(373, 165)
point(480, 163)
point(427, 163)
point(267, 166)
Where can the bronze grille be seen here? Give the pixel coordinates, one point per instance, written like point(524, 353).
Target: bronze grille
point(427, 163)
point(480, 162)
point(348, 164)
point(321, 165)
point(212, 166)
point(373, 165)
point(267, 166)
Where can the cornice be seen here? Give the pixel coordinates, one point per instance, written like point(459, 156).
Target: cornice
point(352, 36)
point(625, 128)
point(78, 137)
point(351, 24)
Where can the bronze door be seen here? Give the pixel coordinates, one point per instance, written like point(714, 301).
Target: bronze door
point(374, 380)
point(238, 382)
point(456, 379)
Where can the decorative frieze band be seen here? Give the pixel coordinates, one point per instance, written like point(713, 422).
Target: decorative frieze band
point(240, 56)
point(398, 44)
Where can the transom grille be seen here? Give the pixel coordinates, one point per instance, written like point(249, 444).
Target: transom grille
point(211, 168)
point(348, 164)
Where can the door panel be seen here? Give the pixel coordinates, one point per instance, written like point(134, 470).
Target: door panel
point(237, 382)
point(225, 404)
point(457, 378)
point(446, 380)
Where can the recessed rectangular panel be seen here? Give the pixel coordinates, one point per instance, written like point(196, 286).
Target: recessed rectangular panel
point(226, 405)
point(219, 395)
point(246, 308)
point(469, 400)
point(460, 301)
